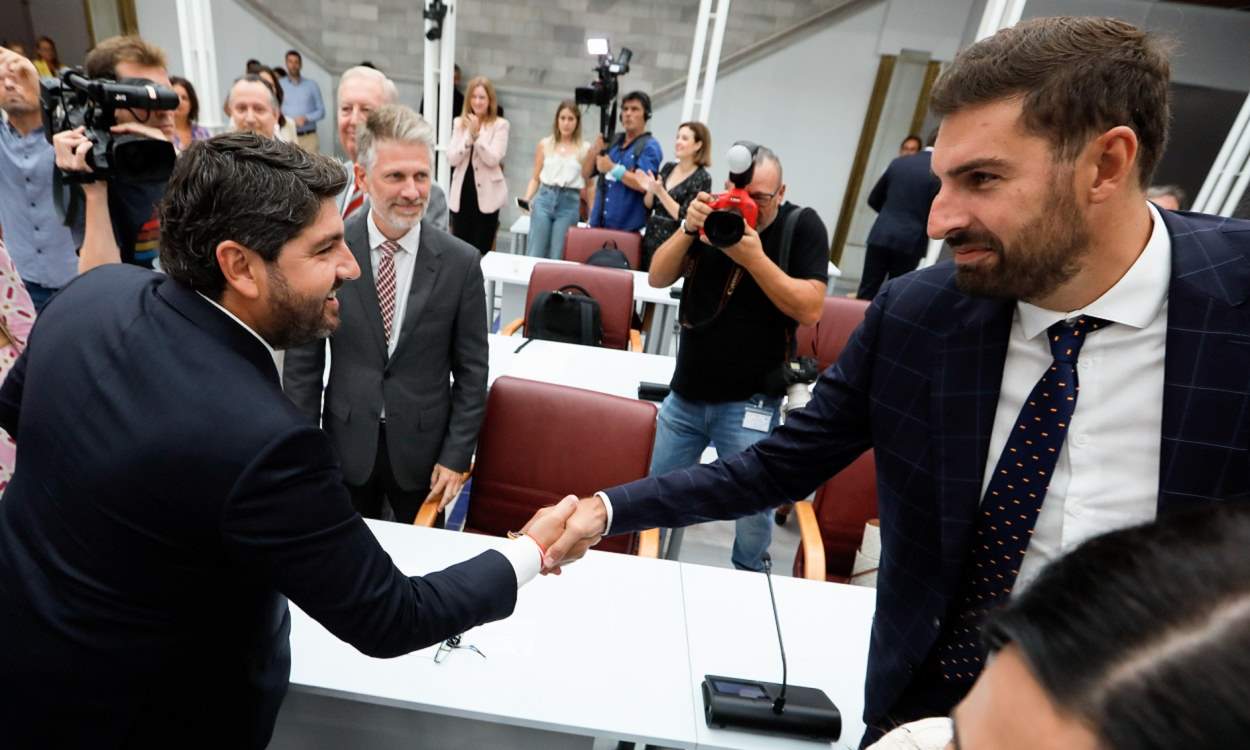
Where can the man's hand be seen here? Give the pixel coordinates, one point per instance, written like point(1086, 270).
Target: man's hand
point(548, 524)
point(300, 121)
point(598, 145)
point(748, 250)
point(698, 211)
point(445, 485)
point(604, 163)
point(582, 531)
point(71, 147)
point(20, 70)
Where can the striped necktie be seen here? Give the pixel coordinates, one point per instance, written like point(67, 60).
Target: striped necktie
point(386, 285)
point(1013, 501)
point(354, 202)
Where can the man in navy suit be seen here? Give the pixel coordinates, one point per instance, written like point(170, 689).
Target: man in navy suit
point(145, 553)
point(964, 378)
point(897, 240)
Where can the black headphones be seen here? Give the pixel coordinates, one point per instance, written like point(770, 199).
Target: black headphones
point(640, 96)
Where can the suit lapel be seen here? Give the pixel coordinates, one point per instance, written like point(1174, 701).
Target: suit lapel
point(1207, 358)
point(424, 277)
point(964, 400)
point(365, 289)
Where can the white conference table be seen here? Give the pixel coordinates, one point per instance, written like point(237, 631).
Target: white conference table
point(614, 371)
point(616, 647)
point(509, 275)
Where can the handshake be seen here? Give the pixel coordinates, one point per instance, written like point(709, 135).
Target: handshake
point(565, 531)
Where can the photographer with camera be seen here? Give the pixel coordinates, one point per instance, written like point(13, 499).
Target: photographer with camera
point(120, 217)
point(634, 153)
point(741, 304)
point(41, 246)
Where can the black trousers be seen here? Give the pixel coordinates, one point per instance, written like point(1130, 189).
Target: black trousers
point(368, 498)
point(882, 263)
point(469, 223)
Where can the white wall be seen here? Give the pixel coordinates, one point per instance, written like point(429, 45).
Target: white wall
point(806, 102)
point(239, 36)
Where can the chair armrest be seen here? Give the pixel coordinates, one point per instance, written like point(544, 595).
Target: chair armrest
point(512, 327)
point(809, 538)
point(427, 514)
point(635, 340)
point(649, 543)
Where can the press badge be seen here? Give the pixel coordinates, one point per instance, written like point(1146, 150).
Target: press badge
point(755, 418)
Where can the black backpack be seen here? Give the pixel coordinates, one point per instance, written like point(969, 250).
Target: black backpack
point(609, 256)
point(568, 314)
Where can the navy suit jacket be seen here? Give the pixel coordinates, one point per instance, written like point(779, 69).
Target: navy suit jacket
point(919, 383)
point(166, 496)
point(901, 198)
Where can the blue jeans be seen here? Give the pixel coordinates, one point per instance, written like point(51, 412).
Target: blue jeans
point(39, 294)
point(552, 212)
point(685, 430)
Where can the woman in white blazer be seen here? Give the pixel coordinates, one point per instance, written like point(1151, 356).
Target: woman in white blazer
point(479, 142)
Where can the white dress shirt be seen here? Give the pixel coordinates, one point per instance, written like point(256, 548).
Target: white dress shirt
point(405, 261)
point(520, 553)
point(1107, 475)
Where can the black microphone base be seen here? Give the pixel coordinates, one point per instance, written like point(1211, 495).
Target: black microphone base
point(748, 704)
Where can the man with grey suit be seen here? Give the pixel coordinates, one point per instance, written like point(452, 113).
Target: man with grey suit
point(403, 429)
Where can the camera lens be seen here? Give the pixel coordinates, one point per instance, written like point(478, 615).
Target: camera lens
point(724, 228)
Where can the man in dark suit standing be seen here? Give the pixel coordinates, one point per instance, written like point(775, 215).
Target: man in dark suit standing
point(897, 240)
point(145, 554)
point(401, 429)
point(964, 378)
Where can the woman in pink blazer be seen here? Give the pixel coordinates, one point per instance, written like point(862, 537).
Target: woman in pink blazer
point(479, 142)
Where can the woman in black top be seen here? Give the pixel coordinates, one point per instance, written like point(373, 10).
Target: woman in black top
point(678, 183)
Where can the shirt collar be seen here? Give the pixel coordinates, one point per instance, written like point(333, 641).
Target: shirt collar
point(408, 243)
point(273, 353)
point(1133, 301)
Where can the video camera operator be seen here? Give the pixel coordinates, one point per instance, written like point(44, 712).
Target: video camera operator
point(120, 217)
point(740, 306)
point(619, 197)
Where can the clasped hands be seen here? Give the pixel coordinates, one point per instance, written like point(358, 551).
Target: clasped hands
point(567, 529)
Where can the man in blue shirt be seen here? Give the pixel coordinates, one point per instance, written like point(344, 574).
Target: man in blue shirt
point(302, 102)
point(42, 247)
point(618, 201)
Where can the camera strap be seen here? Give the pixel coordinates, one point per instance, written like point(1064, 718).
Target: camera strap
point(735, 277)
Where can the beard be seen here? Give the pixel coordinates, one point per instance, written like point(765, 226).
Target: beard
point(295, 320)
point(403, 221)
point(1046, 254)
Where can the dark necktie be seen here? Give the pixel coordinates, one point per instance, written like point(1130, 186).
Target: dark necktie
point(1013, 501)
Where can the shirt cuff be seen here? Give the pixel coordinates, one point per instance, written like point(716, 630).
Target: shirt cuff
point(607, 505)
point(526, 558)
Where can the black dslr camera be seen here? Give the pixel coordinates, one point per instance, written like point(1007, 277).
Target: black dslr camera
point(602, 91)
point(74, 100)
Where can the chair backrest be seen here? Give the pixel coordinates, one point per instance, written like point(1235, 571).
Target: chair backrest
point(843, 505)
point(611, 287)
point(540, 442)
point(838, 320)
point(582, 242)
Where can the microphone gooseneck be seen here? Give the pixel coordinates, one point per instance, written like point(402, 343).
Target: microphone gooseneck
point(779, 705)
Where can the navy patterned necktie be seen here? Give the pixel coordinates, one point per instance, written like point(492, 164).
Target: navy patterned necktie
point(1013, 501)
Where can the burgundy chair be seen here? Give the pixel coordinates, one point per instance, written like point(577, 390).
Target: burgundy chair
point(582, 242)
point(613, 288)
point(540, 442)
point(838, 320)
point(832, 525)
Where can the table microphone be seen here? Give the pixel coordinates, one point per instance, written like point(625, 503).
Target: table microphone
point(764, 706)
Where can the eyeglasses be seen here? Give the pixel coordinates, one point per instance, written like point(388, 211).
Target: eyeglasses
point(762, 198)
point(451, 644)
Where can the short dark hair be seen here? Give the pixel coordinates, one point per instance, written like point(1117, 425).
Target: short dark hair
point(1144, 633)
point(294, 52)
point(642, 98)
point(193, 113)
point(253, 190)
point(1076, 77)
point(102, 60)
point(251, 66)
point(912, 137)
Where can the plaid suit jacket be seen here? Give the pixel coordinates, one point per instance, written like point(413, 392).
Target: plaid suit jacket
point(919, 383)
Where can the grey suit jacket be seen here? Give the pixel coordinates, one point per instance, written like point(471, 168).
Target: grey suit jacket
point(429, 419)
point(435, 210)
